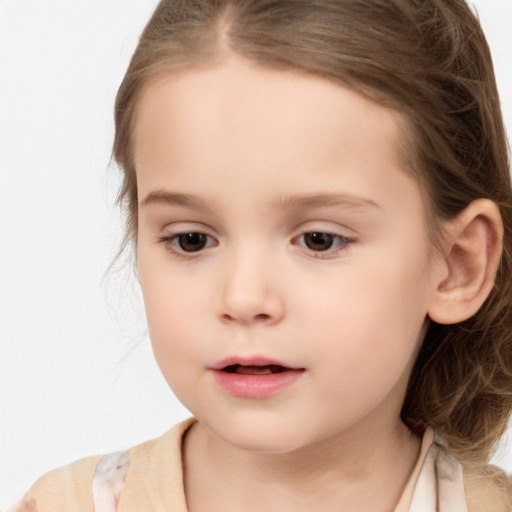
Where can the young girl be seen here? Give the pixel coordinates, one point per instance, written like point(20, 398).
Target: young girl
point(318, 197)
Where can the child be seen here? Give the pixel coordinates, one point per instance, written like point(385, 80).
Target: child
point(319, 201)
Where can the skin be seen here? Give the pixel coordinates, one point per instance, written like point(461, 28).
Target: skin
point(243, 140)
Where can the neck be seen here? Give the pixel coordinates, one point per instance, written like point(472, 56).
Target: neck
point(357, 470)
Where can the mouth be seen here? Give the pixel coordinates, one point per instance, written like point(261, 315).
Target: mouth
point(255, 378)
point(255, 369)
point(247, 365)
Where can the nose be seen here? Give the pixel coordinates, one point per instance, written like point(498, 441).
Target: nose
point(250, 291)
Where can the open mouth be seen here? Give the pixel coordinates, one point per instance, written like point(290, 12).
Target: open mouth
point(254, 369)
point(255, 377)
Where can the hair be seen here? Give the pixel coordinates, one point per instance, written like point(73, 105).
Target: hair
point(428, 60)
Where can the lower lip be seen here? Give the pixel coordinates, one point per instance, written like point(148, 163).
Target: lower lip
point(256, 386)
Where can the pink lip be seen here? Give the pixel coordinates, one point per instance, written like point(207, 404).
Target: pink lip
point(251, 385)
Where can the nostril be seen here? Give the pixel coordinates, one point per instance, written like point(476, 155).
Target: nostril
point(262, 316)
point(249, 308)
point(259, 317)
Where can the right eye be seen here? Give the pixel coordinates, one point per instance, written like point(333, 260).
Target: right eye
point(188, 242)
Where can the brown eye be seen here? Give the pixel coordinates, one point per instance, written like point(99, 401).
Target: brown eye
point(192, 242)
point(317, 241)
point(322, 242)
point(183, 244)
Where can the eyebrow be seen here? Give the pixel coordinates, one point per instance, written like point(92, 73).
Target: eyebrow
point(327, 199)
point(163, 197)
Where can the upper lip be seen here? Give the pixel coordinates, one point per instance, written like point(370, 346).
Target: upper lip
point(250, 361)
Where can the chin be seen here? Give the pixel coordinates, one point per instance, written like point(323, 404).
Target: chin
point(258, 433)
point(270, 443)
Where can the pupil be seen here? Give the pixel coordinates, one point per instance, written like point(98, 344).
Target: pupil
point(318, 241)
point(191, 242)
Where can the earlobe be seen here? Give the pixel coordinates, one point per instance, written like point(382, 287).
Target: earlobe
point(471, 256)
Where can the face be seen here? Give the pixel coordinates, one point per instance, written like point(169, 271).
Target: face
point(282, 251)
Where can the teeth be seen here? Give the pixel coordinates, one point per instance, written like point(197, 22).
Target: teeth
point(254, 370)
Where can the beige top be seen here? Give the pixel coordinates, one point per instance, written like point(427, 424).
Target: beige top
point(149, 477)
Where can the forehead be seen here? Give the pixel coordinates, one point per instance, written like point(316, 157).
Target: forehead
point(237, 121)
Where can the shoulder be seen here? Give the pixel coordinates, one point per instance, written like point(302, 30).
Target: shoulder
point(488, 490)
point(62, 489)
point(155, 477)
point(71, 487)
point(168, 444)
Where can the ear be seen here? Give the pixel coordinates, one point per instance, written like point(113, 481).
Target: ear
point(468, 263)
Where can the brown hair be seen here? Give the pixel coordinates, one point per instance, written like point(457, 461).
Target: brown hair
point(429, 60)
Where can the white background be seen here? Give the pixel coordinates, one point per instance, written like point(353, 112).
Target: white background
point(77, 375)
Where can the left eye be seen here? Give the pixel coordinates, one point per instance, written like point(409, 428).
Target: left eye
point(319, 241)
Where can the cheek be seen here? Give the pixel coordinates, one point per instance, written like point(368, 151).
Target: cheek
point(370, 318)
point(171, 327)
point(364, 353)
point(172, 312)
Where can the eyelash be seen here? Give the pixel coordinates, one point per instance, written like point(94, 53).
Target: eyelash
point(344, 244)
point(171, 247)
